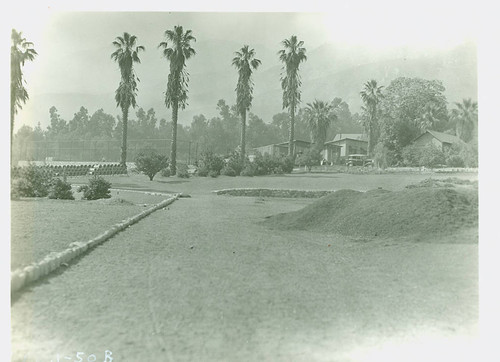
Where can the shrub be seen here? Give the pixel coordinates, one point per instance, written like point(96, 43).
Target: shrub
point(150, 163)
point(211, 162)
point(61, 190)
point(182, 170)
point(461, 155)
point(234, 162)
point(165, 172)
point(228, 171)
point(249, 170)
point(31, 181)
point(311, 157)
point(98, 188)
point(427, 156)
point(213, 174)
point(203, 171)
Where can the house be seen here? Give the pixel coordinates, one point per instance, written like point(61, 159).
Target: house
point(439, 139)
point(281, 149)
point(346, 144)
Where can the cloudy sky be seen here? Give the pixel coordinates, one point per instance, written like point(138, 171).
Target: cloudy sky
point(74, 47)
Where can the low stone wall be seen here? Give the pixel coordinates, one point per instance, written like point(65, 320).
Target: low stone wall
point(273, 193)
point(31, 273)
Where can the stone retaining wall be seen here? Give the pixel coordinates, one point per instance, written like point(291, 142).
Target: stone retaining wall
point(273, 193)
point(31, 273)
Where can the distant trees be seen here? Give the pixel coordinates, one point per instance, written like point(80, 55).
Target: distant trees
point(292, 54)
point(126, 54)
point(465, 118)
point(21, 51)
point(177, 49)
point(371, 96)
point(245, 62)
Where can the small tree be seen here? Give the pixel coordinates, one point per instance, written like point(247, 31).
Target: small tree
point(98, 188)
point(309, 158)
point(150, 163)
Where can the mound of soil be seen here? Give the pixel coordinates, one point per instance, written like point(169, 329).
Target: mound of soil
point(421, 210)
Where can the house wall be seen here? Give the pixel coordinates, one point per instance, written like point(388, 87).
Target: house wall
point(269, 149)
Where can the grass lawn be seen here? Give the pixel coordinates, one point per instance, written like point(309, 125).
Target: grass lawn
point(40, 226)
point(298, 181)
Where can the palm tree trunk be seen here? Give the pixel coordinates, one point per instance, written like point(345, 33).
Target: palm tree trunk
point(291, 144)
point(12, 112)
point(123, 160)
point(173, 151)
point(243, 137)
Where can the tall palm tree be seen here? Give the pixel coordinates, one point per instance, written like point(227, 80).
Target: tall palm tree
point(177, 49)
point(20, 52)
point(245, 62)
point(319, 116)
point(465, 116)
point(371, 96)
point(292, 54)
point(126, 54)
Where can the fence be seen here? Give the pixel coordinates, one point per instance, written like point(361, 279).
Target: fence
point(99, 150)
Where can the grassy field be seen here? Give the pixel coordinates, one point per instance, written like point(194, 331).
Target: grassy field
point(40, 226)
point(299, 181)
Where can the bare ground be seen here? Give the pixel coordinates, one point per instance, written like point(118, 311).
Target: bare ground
point(206, 281)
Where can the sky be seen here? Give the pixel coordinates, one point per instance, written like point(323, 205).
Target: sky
point(74, 43)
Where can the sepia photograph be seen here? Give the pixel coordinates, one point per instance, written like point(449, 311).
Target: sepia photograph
point(255, 184)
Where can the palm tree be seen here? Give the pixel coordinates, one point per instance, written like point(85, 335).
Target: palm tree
point(465, 116)
point(245, 62)
point(20, 51)
point(319, 116)
point(126, 54)
point(177, 49)
point(292, 54)
point(371, 96)
point(429, 117)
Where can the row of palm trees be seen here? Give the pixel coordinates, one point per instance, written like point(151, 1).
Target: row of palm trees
point(177, 50)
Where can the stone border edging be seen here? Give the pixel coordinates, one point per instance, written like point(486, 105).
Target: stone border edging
point(258, 192)
point(29, 274)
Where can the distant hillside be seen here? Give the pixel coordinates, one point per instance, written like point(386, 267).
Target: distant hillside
point(329, 72)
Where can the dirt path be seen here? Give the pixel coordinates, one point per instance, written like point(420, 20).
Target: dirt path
point(204, 281)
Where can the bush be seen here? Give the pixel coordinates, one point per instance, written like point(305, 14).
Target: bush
point(461, 155)
point(249, 170)
point(98, 188)
point(165, 172)
point(311, 157)
point(427, 156)
point(150, 163)
point(234, 162)
point(210, 162)
point(31, 181)
point(203, 171)
point(182, 170)
point(213, 174)
point(228, 171)
point(61, 190)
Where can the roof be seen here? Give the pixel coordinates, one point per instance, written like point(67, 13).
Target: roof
point(295, 141)
point(441, 137)
point(351, 136)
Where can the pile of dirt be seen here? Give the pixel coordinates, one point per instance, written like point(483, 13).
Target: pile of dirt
point(421, 210)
